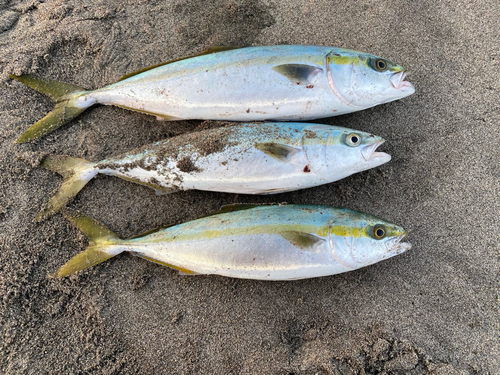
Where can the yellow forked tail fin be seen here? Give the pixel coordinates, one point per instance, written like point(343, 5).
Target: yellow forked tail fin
point(76, 173)
point(103, 244)
point(64, 94)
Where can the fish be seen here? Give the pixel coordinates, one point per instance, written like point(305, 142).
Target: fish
point(274, 242)
point(263, 83)
point(251, 158)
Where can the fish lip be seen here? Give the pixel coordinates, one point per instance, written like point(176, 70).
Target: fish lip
point(369, 153)
point(397, 80)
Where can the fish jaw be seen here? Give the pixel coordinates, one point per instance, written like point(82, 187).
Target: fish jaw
point(397, 81)
point(372, 158)
point(369, 153)
point(396, 247)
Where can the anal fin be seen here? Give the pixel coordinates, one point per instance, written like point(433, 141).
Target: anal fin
point(158, 116)
point(182, 271)
point(160, 190)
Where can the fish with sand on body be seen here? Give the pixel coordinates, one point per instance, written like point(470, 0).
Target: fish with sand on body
point(251, 158)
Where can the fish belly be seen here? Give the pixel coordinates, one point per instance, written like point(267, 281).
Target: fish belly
point(257, 256)
point(234, 90)
point(251, 171)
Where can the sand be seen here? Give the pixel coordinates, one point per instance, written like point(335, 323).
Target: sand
point(432, 310)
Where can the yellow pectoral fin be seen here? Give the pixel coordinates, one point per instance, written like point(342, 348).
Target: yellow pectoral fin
point(304, 241)
point(182, 271)
point(276, 150)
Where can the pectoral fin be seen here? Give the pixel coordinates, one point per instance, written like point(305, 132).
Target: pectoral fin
point(206, 52)
point(302, 240)
point(277, 151)
point(298, 74)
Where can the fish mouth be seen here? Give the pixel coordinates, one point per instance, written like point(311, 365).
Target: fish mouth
point(398, 82)
point(395, 246)
point(369, 153)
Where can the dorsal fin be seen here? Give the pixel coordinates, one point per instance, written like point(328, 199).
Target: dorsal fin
point(206, 52)
point(234, 207)
point(277, 151)
point(152, 231)
point(223, 209)
point(304, 241)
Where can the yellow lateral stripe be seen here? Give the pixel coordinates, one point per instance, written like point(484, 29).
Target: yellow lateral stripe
point(344, 60)
point(346, 231)
point(278, 229)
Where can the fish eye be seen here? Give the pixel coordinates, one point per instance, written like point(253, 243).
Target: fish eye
point(379, 232)
point(379, 65)
point(353, 140)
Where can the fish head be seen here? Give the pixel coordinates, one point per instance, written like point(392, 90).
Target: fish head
point(358, 239)
point(363, 80)
point(350, 151)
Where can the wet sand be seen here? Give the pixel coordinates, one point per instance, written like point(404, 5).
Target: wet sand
point(432, 310)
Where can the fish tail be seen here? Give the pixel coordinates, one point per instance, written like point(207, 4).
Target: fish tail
point(103, 244)
point(67, 107)
point(76, 173)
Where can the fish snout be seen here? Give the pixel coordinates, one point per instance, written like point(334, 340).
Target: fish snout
point(368, 152)
point(395, 246)
point(398, 82)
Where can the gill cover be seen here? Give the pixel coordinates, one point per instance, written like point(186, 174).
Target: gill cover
point(363, 80)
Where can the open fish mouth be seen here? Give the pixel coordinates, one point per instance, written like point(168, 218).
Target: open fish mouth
point(369, 152)
point(395, 246)
point(397, 80)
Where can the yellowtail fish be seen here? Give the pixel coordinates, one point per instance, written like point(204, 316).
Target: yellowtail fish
point(253, 242)
point(253, 158)
point(268, 83)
